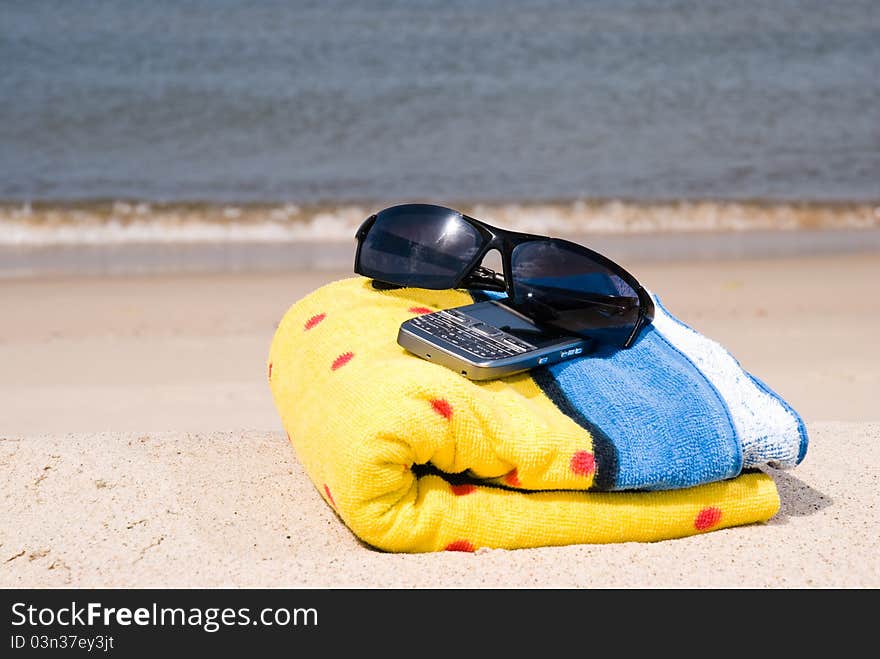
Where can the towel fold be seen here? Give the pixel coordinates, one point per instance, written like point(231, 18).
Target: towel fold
point(662, 440)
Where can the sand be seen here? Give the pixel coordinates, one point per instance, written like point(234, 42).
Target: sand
point(139, 446)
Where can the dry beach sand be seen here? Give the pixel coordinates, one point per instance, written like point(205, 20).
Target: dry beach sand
point(139, 445)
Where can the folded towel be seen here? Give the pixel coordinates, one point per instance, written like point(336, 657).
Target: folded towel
point(659, 441)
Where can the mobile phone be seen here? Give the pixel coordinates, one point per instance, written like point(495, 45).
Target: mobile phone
point(487, 340)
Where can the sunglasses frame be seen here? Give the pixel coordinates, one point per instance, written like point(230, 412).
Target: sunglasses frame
point(505, 241)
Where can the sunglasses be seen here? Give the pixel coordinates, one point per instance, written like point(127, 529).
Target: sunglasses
point(554, 282)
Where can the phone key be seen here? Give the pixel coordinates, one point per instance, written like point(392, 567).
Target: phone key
point(516, 346)
point(480, 340)
point(486, 330)
point(455, 316)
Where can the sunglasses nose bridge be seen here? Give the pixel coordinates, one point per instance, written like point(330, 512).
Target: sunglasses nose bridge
point(505, 247)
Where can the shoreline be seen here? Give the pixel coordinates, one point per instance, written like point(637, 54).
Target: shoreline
point(122, 222)
point(215, 257)
point(104, 237)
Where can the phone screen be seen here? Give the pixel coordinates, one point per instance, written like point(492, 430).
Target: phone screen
point(500, 316)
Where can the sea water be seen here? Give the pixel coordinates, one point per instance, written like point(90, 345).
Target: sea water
point(277, 120)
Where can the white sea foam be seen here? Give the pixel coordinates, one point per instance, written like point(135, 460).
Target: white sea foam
point(141, 223)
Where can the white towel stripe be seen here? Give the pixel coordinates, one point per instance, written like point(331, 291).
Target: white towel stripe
point(768, 432)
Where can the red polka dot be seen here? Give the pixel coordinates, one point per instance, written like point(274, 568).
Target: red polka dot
point(342, 360)
point(270, 370)
point(583, 463)
point(329, 496)
point(707, 518)
point(512, 478)
point(460, 545)
point(461, 490)
point(314, 320)
point(442, 407)
point(420, 310)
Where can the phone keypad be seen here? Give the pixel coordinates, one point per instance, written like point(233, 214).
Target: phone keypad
point(471, 335)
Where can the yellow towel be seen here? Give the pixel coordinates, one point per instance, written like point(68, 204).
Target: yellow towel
point(415, 458)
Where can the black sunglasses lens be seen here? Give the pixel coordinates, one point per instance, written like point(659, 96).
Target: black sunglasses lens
point(558, 284)
point(419, 245)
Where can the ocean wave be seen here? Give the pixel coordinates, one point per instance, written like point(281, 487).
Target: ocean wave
point(122, 222)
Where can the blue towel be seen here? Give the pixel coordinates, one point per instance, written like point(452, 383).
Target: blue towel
point(674, 410)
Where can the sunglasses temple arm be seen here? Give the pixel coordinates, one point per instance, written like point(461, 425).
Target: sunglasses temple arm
point(640, 322)
point(646, 315)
